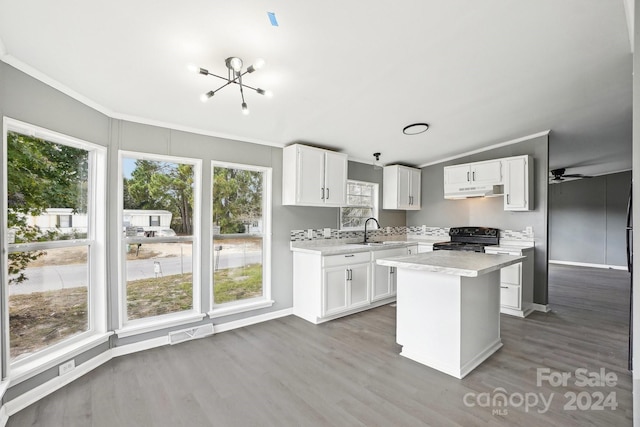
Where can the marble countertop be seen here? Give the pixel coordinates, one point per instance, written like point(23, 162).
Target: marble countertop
point(459, 263)
point(325, 248)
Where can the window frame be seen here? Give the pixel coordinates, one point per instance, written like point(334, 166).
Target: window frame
point(96, 257)
point(265, 300)
point(127, 327)
point(375, 208)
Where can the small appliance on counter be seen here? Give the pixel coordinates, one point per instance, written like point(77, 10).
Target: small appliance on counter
point(469, 239)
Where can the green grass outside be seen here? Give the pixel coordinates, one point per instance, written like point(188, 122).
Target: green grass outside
point(41, 319)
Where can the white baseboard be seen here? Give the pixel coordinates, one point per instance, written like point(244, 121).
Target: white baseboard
point(41, 391)
point(54, 384)
point(586, 264)
point(251, 320)
point(4, 417)
point(140, 346)
point(541, 307)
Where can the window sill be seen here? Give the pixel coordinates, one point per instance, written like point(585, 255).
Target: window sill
point(239, 308)
point(149, 325)
point(23, 370)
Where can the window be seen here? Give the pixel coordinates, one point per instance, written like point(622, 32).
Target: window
point(54, 276)
point(64, 221)
point(160, 279)
point(362, 203)
point(241, 207)
point(154, 221)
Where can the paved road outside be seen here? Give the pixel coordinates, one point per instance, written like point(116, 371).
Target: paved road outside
point(74, 275)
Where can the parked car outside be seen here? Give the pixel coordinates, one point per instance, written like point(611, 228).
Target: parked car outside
point(165, 232)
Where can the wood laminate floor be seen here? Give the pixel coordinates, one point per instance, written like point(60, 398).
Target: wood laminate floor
point(347, 372)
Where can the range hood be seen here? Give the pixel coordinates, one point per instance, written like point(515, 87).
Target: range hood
point(474, 191)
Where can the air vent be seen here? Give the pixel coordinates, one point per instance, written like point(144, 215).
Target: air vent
point(183, 335)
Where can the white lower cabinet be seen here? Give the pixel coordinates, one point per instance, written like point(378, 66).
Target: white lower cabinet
point(384, 278)
point(516, 282)
point(328, 287)
point(345, 288)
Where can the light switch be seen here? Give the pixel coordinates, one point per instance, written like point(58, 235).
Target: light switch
point(327, 232)
point(310, 233)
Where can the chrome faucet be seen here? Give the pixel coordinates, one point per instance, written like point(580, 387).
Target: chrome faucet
point(365, 227)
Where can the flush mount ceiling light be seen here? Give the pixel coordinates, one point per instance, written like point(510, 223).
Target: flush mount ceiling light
point(415, 128)
point(234, 75)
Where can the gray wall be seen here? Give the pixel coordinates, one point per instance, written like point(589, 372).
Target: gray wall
point(27, 99)
point(489, 212)
point(366, 172)
point(587, 220)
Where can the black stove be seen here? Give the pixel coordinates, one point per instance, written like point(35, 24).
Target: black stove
point(472, 239)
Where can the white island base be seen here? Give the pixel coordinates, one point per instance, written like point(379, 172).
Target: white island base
point(448, 322)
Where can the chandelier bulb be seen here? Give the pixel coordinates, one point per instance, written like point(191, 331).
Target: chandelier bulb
point(205, 96)
point(245, 109)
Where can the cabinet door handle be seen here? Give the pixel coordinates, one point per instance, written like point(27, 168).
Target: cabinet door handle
point(346, 274)
point(504, 287)
point(349, 256)
point(392, 270)
point(508, 201)
point(327, 193)
point(467, 176)
point(322, 189)
point(473, 175)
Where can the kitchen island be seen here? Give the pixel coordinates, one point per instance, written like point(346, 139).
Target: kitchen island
point(448, 307)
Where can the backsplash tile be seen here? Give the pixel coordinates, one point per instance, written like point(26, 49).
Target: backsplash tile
point(388, 233)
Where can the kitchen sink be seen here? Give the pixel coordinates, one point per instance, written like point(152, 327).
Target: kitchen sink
point(395, 242)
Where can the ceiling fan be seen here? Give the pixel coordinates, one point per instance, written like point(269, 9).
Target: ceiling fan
point(559, 175)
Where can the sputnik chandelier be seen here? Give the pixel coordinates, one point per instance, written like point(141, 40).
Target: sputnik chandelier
point(234, 76)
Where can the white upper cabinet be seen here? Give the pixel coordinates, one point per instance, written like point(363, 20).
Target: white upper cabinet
point(313, 177)
point(401, 188)
point(518, 186)
point(486, 178)
point(469, 174)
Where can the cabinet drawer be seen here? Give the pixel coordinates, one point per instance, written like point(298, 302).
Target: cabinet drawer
point(511, 274)
point(510, 295)
point(345, 259)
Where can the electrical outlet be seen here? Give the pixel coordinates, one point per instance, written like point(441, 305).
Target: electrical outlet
point(424, 228)
point(529, 230)
point(310, 233)
point(388, 230)
point(67, 367)
point(327, 232)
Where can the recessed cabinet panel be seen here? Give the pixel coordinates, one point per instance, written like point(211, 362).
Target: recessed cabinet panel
point(510, 296)
point(511, 274)
point(311, 173)
point(359, 285)
point(455, 176)
point(518, 186)
point(335, 179)
point(335, 290)
point(487, 173)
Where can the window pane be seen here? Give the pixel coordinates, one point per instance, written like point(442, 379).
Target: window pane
point(157, 195)
point(45, 181)
point(158, 200)
point(47, 299)
point(362, 201)
point(238, 227)
point(237, 264)
point(159, 279)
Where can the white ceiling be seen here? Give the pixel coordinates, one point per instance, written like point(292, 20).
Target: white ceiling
point(349, 75)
